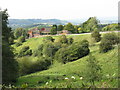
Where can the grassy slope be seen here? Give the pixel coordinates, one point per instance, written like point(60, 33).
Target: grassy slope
point(56, 74)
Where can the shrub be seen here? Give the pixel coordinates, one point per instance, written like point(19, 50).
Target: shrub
point(21, 39)
point(96, 35)
point(25, 51)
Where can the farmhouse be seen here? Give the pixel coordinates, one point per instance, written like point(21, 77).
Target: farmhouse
point(45, 31)
point(37, 32)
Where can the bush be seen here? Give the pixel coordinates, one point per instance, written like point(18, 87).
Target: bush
point(96, 35)
point(25, 51)
point(21, 39)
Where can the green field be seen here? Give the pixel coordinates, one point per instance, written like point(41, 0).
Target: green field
point(55, 76)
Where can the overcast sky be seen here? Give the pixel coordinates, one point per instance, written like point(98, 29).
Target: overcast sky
point(60, 9)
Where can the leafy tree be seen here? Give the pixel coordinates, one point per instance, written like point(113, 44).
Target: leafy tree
point(49, 50)
point(107, 42)
point(60, 27)
point(72, 52)
point(105, 46)
point(110, 27)
point(20, 32)
point(9, 64)
point(96, 35)
point(76, 28)
point(111, 37)
point(70, 27)
point(53, 30)
point(93, 70)
point(90, 25)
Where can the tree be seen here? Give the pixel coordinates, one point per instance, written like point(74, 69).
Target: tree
point(60, 28)
point(9, 64)
point(53, 30)
point(105, 46)
point(70, 27)
point(107, 42)
point(96, 35)
point(93, 70)
point(90, 25)
point(49, 50)
point(20, 32)
point(72, 52)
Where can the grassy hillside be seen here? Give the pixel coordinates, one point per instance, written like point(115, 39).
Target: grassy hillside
point(55, 76)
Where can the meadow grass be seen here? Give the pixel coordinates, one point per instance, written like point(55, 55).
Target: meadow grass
point(56, 74)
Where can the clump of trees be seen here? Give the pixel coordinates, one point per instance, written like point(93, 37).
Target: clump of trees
point(70, 27)
point(72, 52)
point(90, 25)
point(60, 28)
point(64, 40)
point(110, 27)
point(20, 32)
point(107, 42)
point(96, 35)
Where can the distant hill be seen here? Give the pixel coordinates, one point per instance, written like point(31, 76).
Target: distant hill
point(27, 22)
